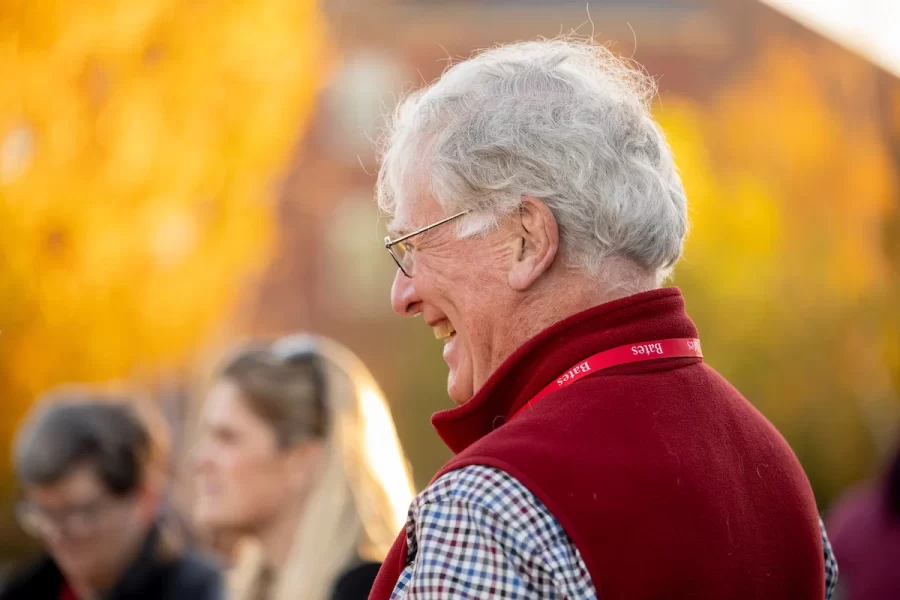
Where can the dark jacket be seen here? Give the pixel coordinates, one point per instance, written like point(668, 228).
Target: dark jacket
point(667, 480)
point(150, 576)
point(356, 583)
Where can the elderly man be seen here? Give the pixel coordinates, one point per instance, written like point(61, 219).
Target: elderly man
point(536, 211)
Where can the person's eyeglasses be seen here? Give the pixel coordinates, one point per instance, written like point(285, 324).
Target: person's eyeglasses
point(402, 252)
point(72, 521)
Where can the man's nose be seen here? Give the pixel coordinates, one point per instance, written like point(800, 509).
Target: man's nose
point(404, 298)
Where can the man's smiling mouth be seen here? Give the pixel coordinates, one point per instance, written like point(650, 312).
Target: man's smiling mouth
point(443, 330)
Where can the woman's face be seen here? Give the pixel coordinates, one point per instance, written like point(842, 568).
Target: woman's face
point(244, 479)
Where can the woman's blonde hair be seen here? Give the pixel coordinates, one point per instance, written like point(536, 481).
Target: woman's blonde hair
point(309, 386)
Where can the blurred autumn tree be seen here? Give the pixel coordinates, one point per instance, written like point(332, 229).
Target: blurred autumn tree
point(791, 183)
point(138, 145)
point(138, 142)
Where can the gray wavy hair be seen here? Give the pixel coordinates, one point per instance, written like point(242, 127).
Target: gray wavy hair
point(562, 120)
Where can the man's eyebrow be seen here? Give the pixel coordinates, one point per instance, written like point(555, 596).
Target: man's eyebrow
point(396, 229)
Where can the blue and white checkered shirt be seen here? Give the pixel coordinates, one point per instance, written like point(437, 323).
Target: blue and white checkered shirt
point(478, 533)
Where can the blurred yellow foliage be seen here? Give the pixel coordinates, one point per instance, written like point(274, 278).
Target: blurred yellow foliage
point(791, 182)
point(139, 144)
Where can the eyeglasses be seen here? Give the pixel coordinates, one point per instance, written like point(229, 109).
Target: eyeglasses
point(73, 521)
point(402, 252)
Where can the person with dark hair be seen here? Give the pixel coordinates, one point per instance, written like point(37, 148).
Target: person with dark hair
point(865, 531)
point(89, 471)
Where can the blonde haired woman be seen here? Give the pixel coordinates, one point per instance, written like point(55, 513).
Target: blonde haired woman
point(298, 452)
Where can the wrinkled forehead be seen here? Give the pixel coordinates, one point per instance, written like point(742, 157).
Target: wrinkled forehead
point(399, 222)
point(414, 211)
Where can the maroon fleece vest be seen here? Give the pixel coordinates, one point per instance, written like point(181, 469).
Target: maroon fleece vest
point(667, 480)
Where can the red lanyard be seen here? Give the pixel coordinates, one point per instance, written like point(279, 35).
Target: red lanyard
point(623, 355)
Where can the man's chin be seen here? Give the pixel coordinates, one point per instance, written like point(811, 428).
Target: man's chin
point(460, 394)
point(79, 566)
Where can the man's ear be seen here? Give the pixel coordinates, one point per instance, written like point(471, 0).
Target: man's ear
point(536, 239)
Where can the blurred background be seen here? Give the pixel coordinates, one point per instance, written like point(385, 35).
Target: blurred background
point(179, 176)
